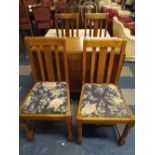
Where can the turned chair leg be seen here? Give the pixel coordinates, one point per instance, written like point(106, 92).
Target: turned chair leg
point(122, 139)
point(69, 130)
point(79, 132)
point(29, 132)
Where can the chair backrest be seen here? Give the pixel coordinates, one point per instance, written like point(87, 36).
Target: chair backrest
point(24, 19)
point(46, 53)
point(46, 3)
point(102, 57)
point(71, 7)
point(59, 4)
point(42, 16)
point(68, 23)
point(81, 2)
point(88, 7)
point(96, 22)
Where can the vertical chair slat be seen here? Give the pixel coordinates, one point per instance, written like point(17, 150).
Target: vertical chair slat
point(65, 62)
point(49, 63)
point(84, 65)
point(101, 65)
point(39, 55)
point(56, 24)
point(101, 25)
point(62, 30)
point(85, 25)
point(77, 26)
point(110, 65)
point(92, 65)
point(34, 72)
point(121, 60)
point(67, 27)
point(57, 62)
point(72, 27)
point(95, 28)
point(90, 25)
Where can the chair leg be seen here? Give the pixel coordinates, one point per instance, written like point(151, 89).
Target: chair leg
point(122, 139)
point(69, 129)
point(79, 132)
point(29, 132)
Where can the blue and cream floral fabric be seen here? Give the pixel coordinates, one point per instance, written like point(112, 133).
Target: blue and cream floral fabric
point(47, 98)
point(103, 101)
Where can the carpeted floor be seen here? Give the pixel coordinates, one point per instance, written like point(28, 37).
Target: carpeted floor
point(97, 140)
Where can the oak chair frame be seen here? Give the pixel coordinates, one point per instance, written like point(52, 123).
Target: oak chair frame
point(68, 19)
point(103, 44)
point(95, 22)
point(85, 7)
point(72, 7)
point(42, 45)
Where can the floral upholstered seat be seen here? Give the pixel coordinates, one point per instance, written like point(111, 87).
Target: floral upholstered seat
point(47, 98)
point(103, 100)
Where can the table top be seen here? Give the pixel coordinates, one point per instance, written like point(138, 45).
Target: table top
point(52, 33)
point(74, 44)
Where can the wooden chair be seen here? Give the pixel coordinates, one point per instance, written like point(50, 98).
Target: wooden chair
point(96, 22)
point(88, 7)
point(81, 2)
point(101, 102)
point(69, 24)
point(71, 7)
point(47, 100)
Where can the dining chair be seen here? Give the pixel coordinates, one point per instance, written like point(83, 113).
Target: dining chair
point(88, 7)
point(42, 17)
point(46, 3)
point(97, 24)
point(24, 20)
point(67, 24)
point(81, 2)
point(59, 5)
point(32, 2)
point(49, 99)
point(71, 7)
point(101, 102)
